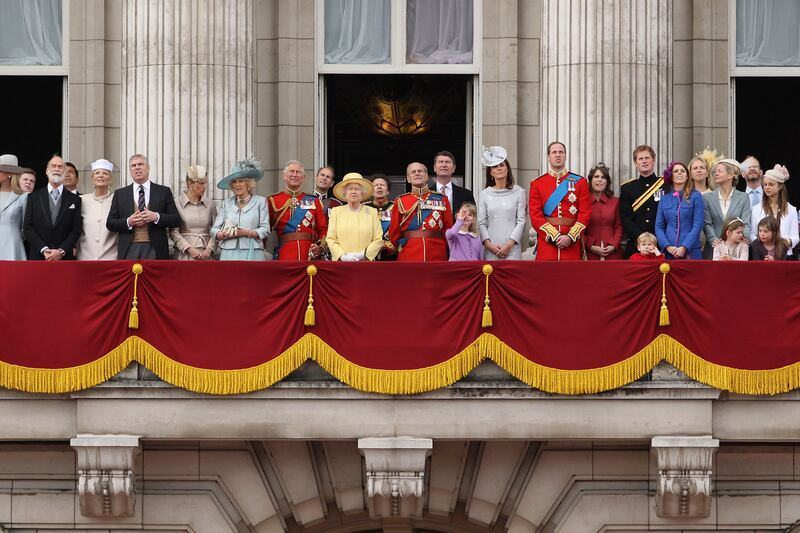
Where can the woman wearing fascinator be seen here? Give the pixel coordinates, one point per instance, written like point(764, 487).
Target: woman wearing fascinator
point(680, 215)
point(775, 203)
point(193, 239)
point(502, 209)
point(243, 221)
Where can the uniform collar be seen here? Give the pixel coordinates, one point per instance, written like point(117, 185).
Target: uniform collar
point(293, 194)
point(419, 191)
point(558, 173)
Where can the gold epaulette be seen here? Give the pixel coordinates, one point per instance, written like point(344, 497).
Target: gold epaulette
point(627, 182)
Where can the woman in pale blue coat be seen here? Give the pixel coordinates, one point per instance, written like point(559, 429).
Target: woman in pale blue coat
point(680, 216)
point(243, 221)
point(12, 211)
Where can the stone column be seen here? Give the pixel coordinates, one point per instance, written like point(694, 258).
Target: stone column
point(187, 85)
point(607, 81)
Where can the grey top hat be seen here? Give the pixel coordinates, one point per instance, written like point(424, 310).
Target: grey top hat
point(9, 163)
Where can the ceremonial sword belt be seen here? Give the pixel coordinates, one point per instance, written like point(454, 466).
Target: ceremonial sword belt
point(422, 234)
point(561, 221)
point(296, 236)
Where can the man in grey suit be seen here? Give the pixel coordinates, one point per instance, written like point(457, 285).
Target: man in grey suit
point(53, 220)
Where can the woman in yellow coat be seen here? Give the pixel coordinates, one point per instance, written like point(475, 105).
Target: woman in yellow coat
point(354, 230)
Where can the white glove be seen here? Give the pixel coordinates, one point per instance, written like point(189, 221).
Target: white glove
point(349, 257)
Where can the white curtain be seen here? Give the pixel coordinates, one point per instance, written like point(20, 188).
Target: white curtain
point(30, 32)
point(358, 31)
point(767, 32)
point(439, 31)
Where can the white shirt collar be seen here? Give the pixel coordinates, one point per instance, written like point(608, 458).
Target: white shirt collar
point(758, 189)
point(50, 188)
point(146, 186)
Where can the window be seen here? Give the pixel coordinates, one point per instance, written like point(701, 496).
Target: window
point(398, 81)
point(31, 33)
point(390, 36)
point(766, 33)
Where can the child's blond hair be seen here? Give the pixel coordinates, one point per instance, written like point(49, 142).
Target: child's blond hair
point(646, 237)
point(473, 228)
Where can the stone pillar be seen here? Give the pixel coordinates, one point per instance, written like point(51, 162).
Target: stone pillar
point(607, 81)
point(187, 85)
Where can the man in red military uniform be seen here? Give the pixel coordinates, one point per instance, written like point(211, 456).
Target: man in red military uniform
point(560, 206)
point(297, 219)
point(419, 219)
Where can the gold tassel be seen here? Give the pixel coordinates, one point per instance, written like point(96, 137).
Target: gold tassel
point(133, 318)
point(311, 317)
point(663, 317)
point(487, 322)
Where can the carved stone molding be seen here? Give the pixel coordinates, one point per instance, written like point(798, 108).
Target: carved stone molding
point(106, 481)
point(395, 471)
point(684, 476)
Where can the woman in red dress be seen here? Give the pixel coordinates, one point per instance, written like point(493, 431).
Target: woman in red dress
point(602, 237)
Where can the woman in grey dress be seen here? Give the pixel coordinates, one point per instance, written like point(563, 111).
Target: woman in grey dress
point(502, 209)
point(12, 210)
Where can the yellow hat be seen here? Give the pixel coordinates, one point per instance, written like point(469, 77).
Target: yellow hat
point(349, 179)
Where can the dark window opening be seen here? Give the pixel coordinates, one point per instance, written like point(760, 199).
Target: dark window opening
point(32, 125)
point(766, 125)
point(381, 123)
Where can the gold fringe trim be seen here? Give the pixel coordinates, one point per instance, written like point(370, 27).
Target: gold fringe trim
point(487, 346)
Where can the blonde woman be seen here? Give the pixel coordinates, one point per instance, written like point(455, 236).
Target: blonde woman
point(193, 239)
point(96, 242)
point(12, 210)
point(723, 203)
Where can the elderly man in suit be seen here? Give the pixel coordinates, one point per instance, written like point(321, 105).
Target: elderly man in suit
point(141, 213)
point(444, 166)
point(53, 220)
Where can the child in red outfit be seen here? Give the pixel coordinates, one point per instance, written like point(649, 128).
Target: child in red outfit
point(647, 244)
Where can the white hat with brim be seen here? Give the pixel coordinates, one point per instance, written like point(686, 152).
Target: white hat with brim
point(349, 179)
point(779, 174)
point(493, 156)
point(9, 163)
point(248, 168)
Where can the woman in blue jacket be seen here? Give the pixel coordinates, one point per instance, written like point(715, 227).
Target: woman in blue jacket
point(680, 216)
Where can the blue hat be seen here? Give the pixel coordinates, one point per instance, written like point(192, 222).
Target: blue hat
point(247, 168)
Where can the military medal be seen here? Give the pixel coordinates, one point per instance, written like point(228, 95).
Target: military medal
point(658, 194)
point(573, 210)
point(572, 197)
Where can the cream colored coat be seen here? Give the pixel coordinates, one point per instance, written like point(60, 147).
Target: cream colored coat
point(96, 242)
point(354, 231)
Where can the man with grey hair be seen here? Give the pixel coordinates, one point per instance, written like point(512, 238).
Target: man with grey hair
point(142, 213)
point(297, 219)
point(53, 220)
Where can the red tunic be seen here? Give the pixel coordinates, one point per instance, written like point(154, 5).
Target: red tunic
point(296, 234)
point(421, 211)
point(570, 217)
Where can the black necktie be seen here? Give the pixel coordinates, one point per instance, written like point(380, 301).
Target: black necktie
point(141, 198)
